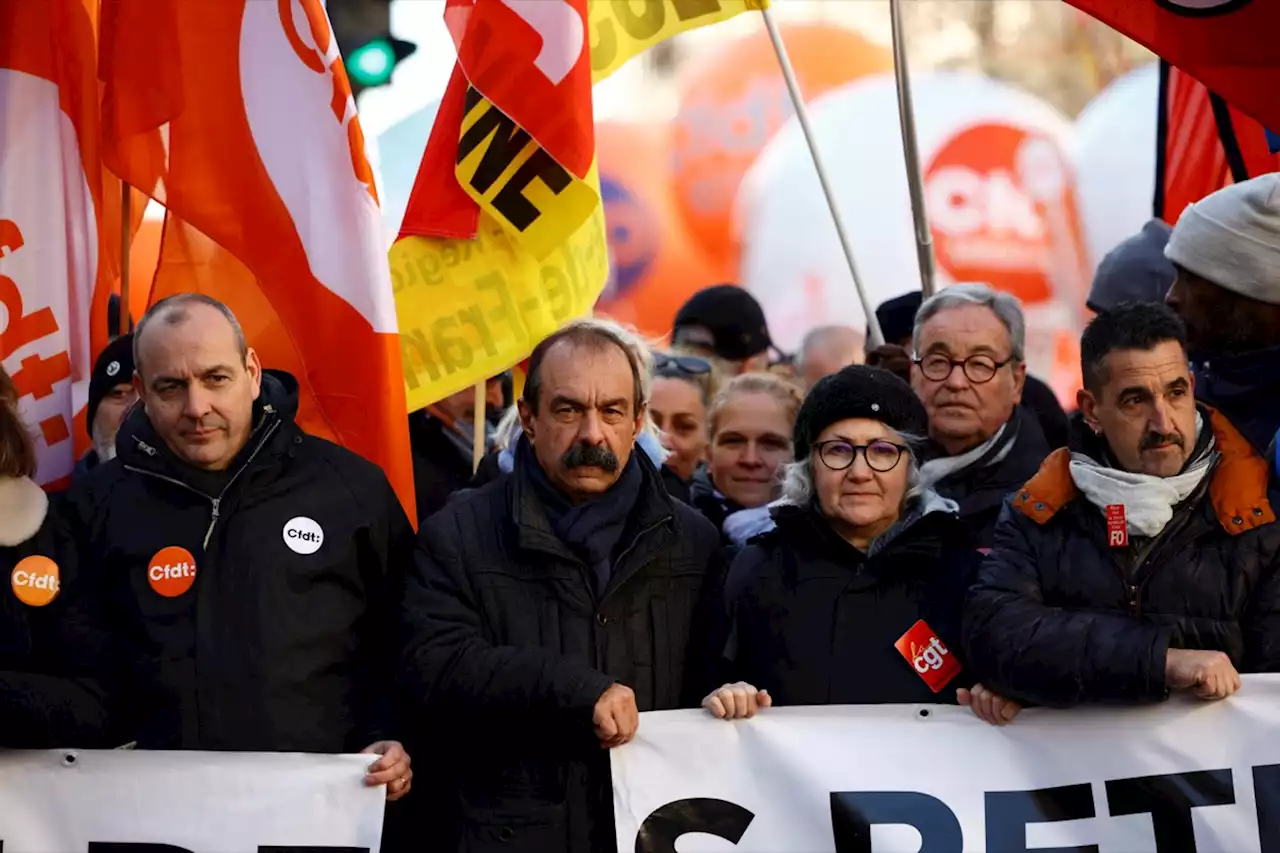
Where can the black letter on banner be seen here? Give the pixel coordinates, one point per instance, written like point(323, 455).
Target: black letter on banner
point(510, 200)
point(853, 813)
point(1266, 795)
point(508, 141)
point(132, 847)
point(665, 826)
point(689, 9)
point(312, 849)
point(642, 26)
point(1009, 812)
point(1169, 800)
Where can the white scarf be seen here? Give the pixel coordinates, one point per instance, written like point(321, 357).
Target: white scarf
point(937, 470)
point(1148, 501)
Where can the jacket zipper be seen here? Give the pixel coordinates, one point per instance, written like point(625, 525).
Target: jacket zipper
point(595, 623)
point(216, 502)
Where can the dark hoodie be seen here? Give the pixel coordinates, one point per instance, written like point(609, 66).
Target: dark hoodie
point(286, 640)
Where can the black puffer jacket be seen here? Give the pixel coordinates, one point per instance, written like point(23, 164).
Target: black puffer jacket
point(283, 643)
point(509, 649)
point(815, 620)
point(981, 489)
point(1058, 617)
point(48, 696)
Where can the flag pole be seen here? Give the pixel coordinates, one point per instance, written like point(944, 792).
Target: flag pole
point(478, 431)
point(911, 151)
point(876, 336)
point(126, 245)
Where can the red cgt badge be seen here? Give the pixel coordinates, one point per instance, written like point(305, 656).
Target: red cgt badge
point(927, 654)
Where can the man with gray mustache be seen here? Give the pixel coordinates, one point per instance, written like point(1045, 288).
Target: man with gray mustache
point(550, 607)
point(1143, 559)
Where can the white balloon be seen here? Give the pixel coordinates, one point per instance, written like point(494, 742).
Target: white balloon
point(791, 259)
point(1115, 156)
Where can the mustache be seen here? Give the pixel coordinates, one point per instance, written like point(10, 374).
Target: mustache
point(1156, 439)
point(589, 456)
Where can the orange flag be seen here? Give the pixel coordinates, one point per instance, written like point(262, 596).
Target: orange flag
point(59, 221)
point(272, 207)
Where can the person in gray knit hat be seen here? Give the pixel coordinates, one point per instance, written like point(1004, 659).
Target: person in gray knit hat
point(1226, 248)
point(855, 596)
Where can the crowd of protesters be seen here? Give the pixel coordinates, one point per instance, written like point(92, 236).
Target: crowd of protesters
point(702, 524)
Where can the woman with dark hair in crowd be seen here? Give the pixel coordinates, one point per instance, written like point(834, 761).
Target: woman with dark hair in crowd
point(855, 595)
point(679, 404)
point(750, 427)
point(41, 705)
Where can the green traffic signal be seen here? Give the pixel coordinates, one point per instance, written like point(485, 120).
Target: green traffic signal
point(370, 64)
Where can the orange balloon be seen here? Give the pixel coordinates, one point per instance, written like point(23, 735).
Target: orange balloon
point(733, 100)
point(654, 267)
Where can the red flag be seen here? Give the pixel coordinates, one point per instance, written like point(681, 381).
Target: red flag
point(1228, 45)
point(1203, 144)
point(530, 58)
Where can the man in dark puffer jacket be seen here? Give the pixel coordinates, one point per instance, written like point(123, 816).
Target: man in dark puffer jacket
point(1144, 559)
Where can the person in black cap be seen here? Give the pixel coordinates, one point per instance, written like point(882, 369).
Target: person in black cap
point(826, 607)
point(897, 319)
point(111, 395)
point(724, 322)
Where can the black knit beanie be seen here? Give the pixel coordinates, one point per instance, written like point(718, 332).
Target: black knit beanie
point(858, 392)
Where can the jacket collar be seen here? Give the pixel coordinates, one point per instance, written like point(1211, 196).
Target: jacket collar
point(1237, 486)
point(533, 530)
point(140, 448)
point(23, 507)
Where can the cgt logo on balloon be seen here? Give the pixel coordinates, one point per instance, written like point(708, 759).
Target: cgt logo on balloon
point(633, 237)
point(1168, 800)
point(1003, 211)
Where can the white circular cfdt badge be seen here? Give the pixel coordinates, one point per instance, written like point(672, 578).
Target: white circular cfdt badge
point(303, 535)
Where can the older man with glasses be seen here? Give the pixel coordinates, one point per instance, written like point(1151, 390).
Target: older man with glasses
point(968, 367)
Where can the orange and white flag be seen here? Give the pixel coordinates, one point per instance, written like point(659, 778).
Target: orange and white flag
point(272, 206)
point(59, 221)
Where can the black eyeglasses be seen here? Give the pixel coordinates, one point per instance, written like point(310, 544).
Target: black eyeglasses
point(688, 365)
point(977, 368)
point(881, 456)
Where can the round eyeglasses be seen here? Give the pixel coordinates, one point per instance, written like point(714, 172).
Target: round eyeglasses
point(977, 368)
point(881, 456)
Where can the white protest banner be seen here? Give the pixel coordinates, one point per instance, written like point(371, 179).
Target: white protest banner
point(187, 802)
point(1181, 776)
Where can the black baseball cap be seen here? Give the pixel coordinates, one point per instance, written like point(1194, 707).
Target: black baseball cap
point(731, 316)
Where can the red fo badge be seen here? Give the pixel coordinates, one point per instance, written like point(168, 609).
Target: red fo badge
point(932, 660)
point(1117, 527)
point(172, 571)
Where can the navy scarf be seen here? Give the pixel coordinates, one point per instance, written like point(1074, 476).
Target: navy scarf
point(593, 529)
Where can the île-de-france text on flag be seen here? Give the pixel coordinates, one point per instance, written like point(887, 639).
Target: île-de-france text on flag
point(271, 202)
point(60, 221)
point(511, 164)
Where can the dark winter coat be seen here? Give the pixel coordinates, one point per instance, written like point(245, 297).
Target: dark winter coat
point(439, 469)
point(509, 648)
point(282, 643)
point(1246, 389)
point(48, 695)
point(815, 620)
point(1058, 617)
point(981, 489)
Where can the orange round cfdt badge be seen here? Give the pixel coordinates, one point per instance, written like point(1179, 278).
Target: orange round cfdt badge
point(172, 571)
point(35, 581)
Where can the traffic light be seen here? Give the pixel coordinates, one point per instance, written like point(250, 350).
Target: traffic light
point(363, 31)
point(371, 63)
